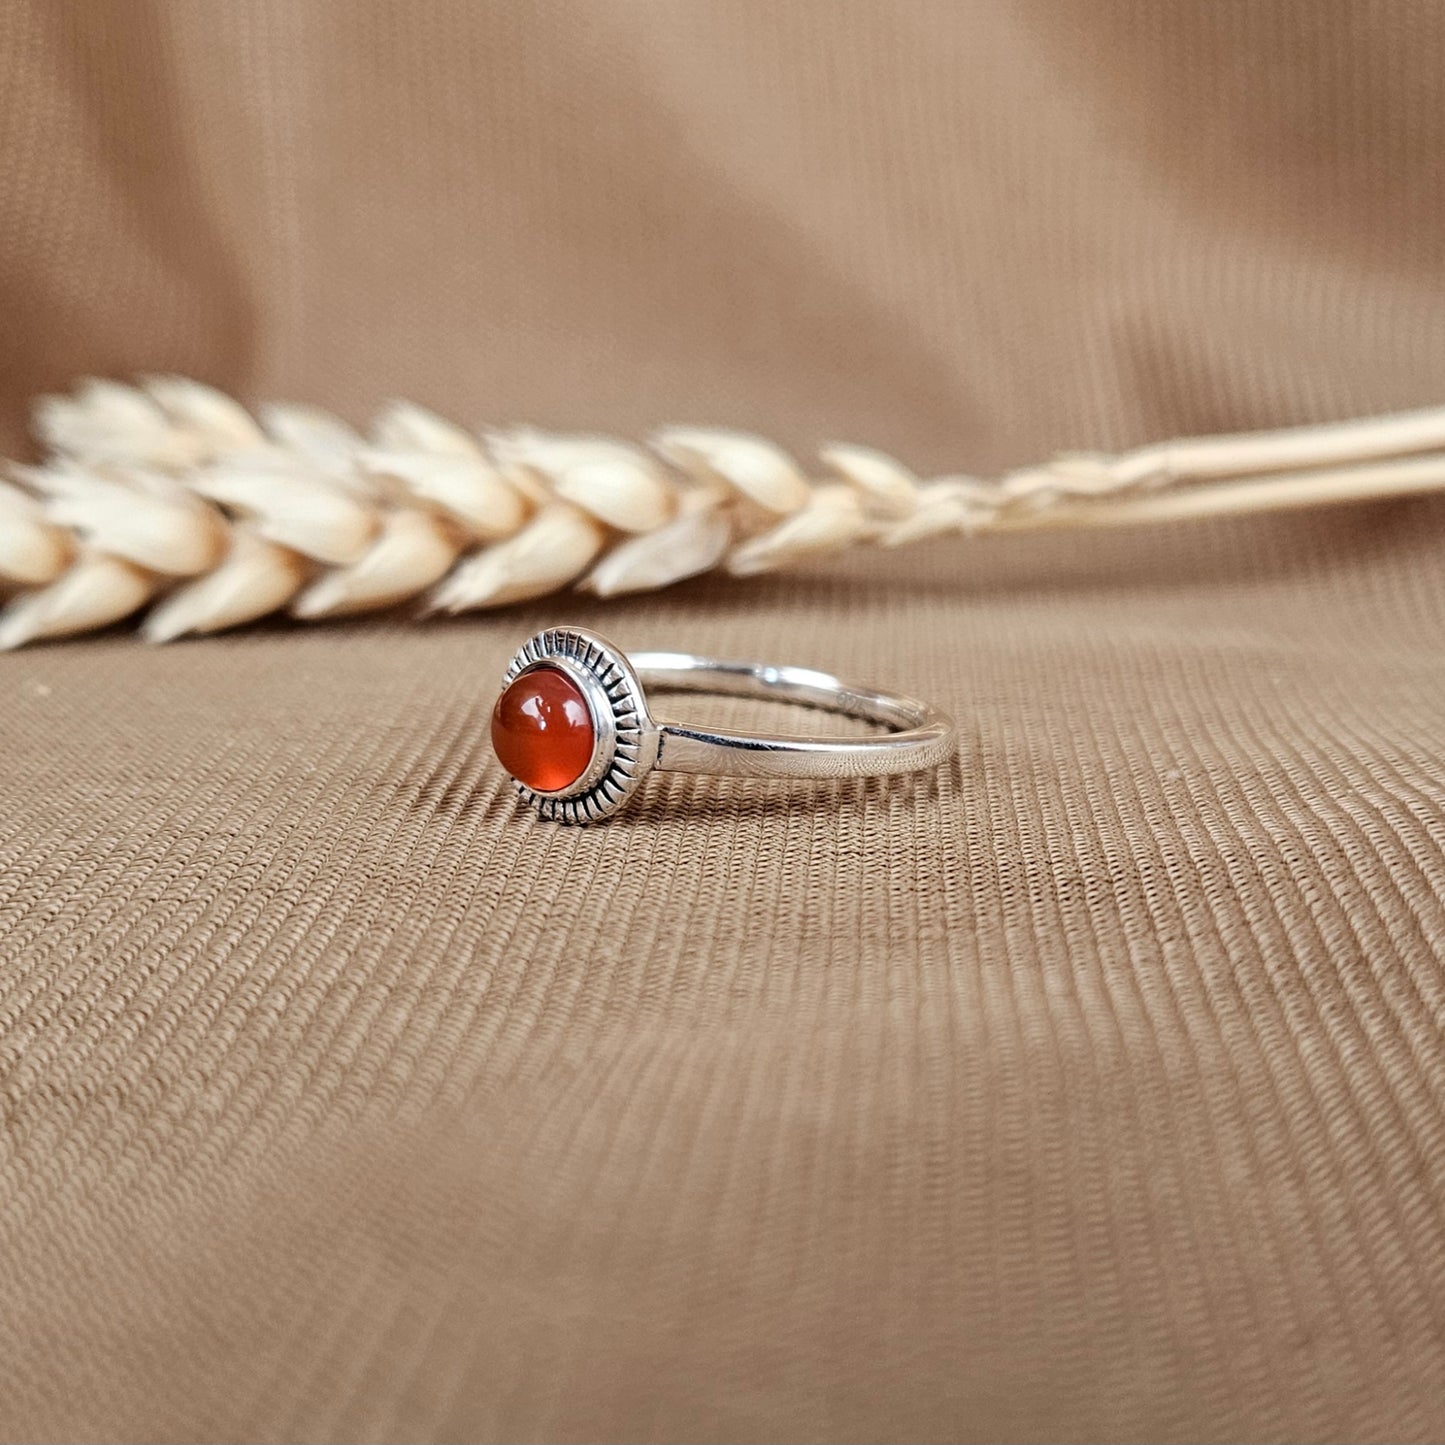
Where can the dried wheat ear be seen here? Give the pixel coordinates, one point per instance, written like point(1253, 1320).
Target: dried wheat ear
point(169, 498)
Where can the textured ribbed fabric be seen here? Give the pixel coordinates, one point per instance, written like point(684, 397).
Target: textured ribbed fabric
point(1090, 1088)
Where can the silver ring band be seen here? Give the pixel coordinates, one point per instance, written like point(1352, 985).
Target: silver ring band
point(574, 728)
point(921, 736)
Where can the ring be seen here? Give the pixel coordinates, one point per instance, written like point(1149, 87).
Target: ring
point(573, 729)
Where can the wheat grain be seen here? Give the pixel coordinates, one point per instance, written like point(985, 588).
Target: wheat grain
point(172, 497)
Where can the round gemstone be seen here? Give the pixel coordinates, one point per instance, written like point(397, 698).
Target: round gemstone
point(542, 730)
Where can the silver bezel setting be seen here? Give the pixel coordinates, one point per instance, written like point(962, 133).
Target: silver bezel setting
point(625, 747)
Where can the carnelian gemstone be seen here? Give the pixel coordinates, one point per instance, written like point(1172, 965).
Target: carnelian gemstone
point(542, 730)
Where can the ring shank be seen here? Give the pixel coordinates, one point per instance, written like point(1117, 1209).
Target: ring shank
point(919, 736)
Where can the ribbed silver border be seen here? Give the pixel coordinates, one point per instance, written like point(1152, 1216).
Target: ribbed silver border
point(626, 735)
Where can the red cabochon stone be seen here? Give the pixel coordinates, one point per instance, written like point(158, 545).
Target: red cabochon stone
point(542, 730)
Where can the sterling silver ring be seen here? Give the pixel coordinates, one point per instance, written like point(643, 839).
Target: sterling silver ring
point(573, 728)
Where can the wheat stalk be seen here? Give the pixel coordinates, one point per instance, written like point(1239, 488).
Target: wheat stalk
point(169, 497)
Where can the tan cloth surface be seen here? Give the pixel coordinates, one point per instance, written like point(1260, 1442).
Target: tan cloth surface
point(1089, 1089)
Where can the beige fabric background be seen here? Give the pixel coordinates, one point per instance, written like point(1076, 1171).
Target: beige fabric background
point(1090, 1089)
